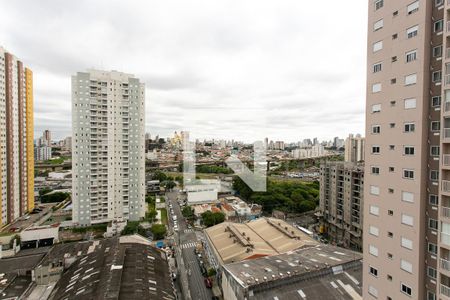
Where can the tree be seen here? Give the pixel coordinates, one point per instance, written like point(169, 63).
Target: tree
point(151, 215)
point(211, 272)
point(212, 218)
point(55, 197)
point(158, 175)
point(158, 230)
point(188, 212)
point(170, 184)
point(44, 191)
point(133, 227)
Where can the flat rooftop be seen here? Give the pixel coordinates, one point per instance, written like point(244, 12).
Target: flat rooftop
point(234, 242)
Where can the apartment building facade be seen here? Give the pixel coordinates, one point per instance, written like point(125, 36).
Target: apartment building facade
point(402, 157)
point(108, 155)
point(354, 148)
point(342, 202)
point(16, 140)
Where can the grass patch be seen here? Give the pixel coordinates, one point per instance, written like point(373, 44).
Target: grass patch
point(164, 216)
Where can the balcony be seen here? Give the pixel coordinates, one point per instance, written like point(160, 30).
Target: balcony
point(445, 238)
point(445, 212)
point(445, 264)
point(445, 290)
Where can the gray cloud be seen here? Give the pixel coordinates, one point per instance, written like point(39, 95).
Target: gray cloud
point(231, 69)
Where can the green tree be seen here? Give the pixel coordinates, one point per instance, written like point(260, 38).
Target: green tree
point(212, 218)
point(151, 215)
point(158, 230)
point(55, 197)
point(188, 212)
point(170, 184)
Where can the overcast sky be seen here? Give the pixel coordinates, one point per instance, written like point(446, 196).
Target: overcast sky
point(287, 70)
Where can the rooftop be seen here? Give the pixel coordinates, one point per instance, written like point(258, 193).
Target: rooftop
point(234, 242)
point(336, 272)
point(114, 269)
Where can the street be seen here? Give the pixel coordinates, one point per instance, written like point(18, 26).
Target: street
point(186, 240)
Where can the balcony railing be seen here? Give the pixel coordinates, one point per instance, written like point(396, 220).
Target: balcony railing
point(446, 212)
point(445, 290)
point(445, 238)
point(445, 264)
point(446, 160)
point(446, 186)
point(446, 133)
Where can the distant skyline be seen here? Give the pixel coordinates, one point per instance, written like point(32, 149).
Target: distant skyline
point(229, 70)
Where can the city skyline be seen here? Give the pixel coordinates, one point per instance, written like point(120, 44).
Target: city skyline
point(219, 80)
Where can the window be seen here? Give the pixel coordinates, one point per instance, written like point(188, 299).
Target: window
point(390, 212)
point(374, 210)
point(375, 149)
point(389, 277)
point(434, 175)
point(434, 150)
point(413, 7)
point(390, 256)
point(406, 266)
point(408, 150)
point(408, 174)
point(373, 291)
point(438, 2)
point(394, 36)
point(377, 67)
point(376, 87)
point(410, 79)
point(407, 197)
point(410, 127)
point(376, 129)
point(390, 190)
point(394, 58)
point(391, 169)
point(431, 296)
point(373, 271)
point(411, 56)
point(437, 51)
point(379, 4)
point(375, 170)
point(393, 103)
point(432, 272)
point(432, 248)
point(407, 243)
point(438, 26)
point(374, 190)
point(374, 230)
point(435, 101)
point(407, 220)
point(395, 13)
point(412, 31)
point(393, 80)
point(432, 224)
point(376, 108)
point(378, 25)
point(435, 125)
point(406, 289)
point(436, 76)
point(390, 234)
point(373, 250)
point(391, 147)
point(433, 199)
point(377, 46)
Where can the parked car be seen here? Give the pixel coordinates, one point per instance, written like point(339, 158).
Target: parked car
point(208, 283)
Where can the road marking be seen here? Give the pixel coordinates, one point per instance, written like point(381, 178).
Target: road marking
point(300, 292)
point(188, 245)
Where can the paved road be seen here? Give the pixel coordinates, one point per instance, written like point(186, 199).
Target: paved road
point(187, 240)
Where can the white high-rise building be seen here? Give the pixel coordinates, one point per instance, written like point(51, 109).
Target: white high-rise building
point(354, 148)
point(108, 147)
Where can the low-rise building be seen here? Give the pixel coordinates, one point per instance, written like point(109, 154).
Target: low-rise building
point(234, 242)
point(341, 203)
point(202, 193)
point(314, 272)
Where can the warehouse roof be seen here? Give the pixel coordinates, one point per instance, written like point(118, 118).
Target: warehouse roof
point(110, 269)
point(234, 242)
point(321, 271)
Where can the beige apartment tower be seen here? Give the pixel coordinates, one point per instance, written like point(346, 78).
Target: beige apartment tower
point(406, 251)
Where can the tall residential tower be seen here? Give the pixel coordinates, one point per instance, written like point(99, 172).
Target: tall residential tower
point(406, 244)
point(107, 147)
point(16, 138)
